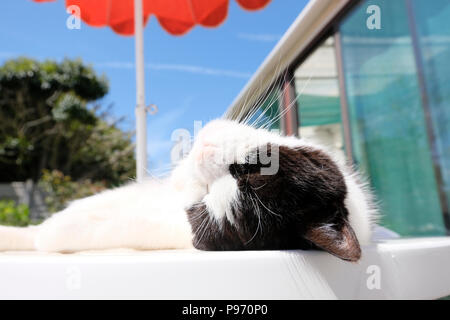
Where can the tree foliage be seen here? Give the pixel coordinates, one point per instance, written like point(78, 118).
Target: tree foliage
point(12, 214)
point(49, 120)
point(60, 189)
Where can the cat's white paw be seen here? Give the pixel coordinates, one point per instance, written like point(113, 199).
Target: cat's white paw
point(215, 148)
point(210, 162)
point(188, 186)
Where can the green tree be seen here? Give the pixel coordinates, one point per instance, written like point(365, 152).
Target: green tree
point(49, 120)
point(12, 214)
point(60, 189)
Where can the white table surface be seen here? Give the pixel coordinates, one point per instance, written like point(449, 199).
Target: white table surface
point(392, 269)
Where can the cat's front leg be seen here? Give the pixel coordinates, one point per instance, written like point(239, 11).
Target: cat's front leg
point(217, 147)
point(190, 188)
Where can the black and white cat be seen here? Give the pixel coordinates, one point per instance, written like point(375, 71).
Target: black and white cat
point(240, 188)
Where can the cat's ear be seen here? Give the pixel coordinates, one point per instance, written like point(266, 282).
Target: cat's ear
point(338, 239)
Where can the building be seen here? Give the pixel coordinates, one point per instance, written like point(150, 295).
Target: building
point(371, 79)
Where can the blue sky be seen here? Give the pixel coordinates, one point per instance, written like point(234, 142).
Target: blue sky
point(190, 78)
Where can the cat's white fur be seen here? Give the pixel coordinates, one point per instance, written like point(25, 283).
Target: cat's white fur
point(150, 215)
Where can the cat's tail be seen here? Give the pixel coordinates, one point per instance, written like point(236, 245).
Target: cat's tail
point(17, 238)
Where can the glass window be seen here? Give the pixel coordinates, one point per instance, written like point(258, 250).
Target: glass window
point(317, 90)
point(433, 30)
point(389, 135)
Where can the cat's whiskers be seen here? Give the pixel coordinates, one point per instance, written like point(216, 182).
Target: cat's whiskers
point(199, 229)
point(268, 107)
point(260, 101)
point(205, 228)
point(264, 96)
point(289, 107)
point(198, 216)
point(261, 98)
point(275, 214)
point(271, 98)
point(258, 214)
point(260, 187)
point(195, 217)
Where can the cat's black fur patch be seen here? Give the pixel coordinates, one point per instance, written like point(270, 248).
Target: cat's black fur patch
point(299, 207)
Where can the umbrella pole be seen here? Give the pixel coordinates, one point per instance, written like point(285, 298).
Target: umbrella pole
point(141, 120)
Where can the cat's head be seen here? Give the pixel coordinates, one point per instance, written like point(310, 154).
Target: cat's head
point(263, 191)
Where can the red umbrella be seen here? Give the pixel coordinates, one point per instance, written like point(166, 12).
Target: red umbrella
point(128, 17)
